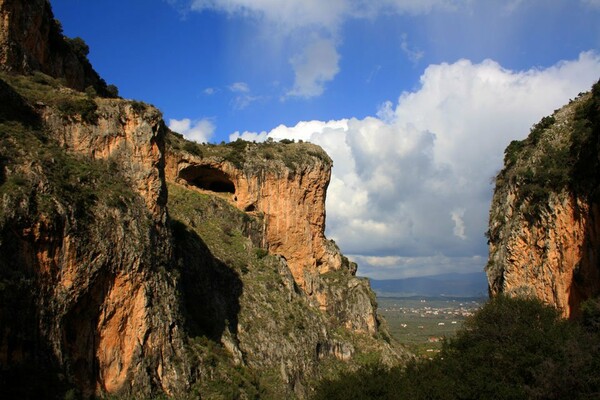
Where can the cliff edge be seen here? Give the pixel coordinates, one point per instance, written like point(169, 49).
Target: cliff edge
point(544, 232)
point(136, 264)
point(32, 40)
point(285, 184)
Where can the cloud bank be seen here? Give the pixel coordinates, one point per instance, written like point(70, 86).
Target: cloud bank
point(410, 188)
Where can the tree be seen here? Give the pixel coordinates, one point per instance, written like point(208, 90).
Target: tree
point(79, 46)
point(513, 348)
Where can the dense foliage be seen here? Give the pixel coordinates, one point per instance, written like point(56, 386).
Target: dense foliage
point(513, 348)
point(557, 155)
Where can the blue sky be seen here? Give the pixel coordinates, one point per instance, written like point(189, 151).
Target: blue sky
point(414, 99)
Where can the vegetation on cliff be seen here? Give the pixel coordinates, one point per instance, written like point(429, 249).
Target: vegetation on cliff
point(33, 40)
point(246, 317)
point(252, 156)
point(562, 152)
point(545, 214)
point(105, 293)
point(58, 209)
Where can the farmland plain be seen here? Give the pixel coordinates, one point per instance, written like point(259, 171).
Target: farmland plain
point(421, 323)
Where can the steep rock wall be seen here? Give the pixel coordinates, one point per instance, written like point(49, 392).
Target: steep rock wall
point(85, 250)
point(30, 40)
point(95, 295)
point(291, 197)
point(555, 259)
point(129, 135)
point(292, 201)
point(544, 235)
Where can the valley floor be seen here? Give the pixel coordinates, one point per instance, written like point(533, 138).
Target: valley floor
point(421, 323)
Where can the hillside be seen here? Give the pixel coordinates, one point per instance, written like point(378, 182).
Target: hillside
point(544, 234)
point(136, 264)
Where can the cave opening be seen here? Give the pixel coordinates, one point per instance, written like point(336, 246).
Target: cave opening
point(208, 178)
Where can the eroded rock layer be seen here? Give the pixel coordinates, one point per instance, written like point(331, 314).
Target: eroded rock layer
point(32, 40)
point(226, 287)
point(544, 234)
point(286, 183)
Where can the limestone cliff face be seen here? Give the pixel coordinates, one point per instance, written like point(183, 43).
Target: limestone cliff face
point(286, 183)
point(85, 248)
point(110, 287)
point(128, 134)
point(31, 40)
point(292, 200)
point(556, 258)
point(544, 235)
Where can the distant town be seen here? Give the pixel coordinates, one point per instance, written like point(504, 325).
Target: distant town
point(422, 323)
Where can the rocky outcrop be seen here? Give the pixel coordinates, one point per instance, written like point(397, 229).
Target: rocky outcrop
point(85, 249)
point(32, 40)
point(237, 294)
point(544, 235)
point(110, 287)
point(291, 198)
point(286, 183)
point(555, 259)
point(130, 135)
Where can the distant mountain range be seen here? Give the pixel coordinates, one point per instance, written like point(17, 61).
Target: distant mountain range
point(450, 285)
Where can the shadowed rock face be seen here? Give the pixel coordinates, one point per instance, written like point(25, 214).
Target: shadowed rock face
point(85, 251)
point(207, 178)
point(31, 40)
point(544, 235)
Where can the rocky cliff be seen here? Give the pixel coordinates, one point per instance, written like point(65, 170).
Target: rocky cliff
point(32, 40)
point(86, 298)
point(285, 183)
point(544, 235)
point(134, 263)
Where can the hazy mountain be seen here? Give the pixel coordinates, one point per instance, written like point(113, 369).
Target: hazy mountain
point(452, 284)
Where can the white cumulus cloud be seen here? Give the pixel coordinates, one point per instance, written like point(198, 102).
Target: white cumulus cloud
point(198, 131)
point(314, 67)
point(413, 183)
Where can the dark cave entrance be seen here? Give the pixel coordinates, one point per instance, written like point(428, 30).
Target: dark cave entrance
point(208, 178)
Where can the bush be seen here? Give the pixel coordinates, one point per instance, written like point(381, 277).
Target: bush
point(372, 381)
point(79, 47)
point(590, 314)
point(192, 148)
point(112, 91)
point(513, 348)
point(72, 107)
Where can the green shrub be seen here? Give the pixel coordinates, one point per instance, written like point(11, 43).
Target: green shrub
point(112, 91)
point(513, 348)
point(192, 148)
point(72, 107)
point(590, 314)
point(261, 253)
point(79, 47)
point(138, 106)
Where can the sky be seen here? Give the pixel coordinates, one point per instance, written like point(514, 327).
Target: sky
point(414, 100)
